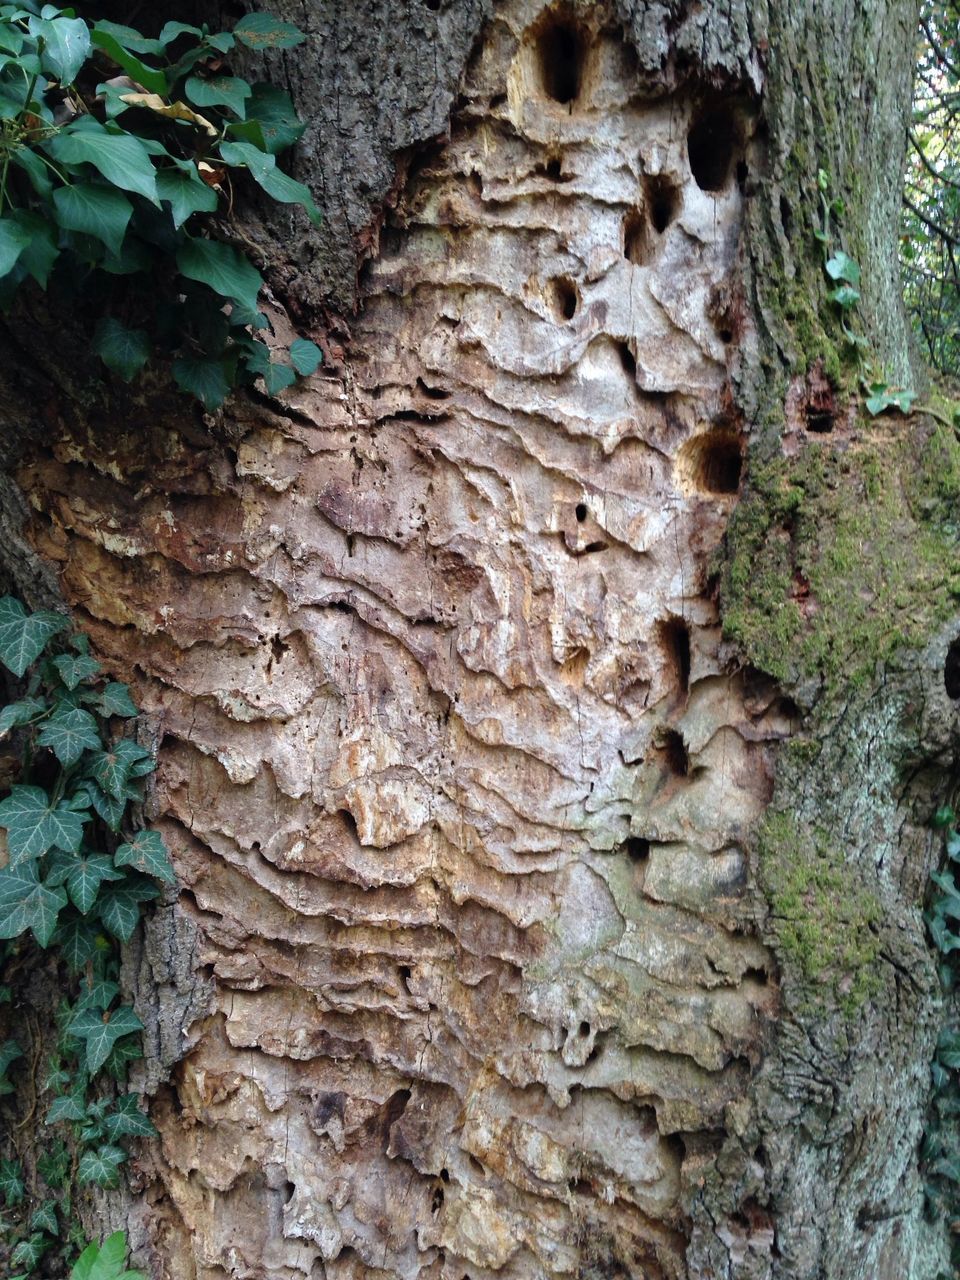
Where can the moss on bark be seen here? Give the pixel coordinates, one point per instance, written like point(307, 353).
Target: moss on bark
point(845, 554)
point(823, 918)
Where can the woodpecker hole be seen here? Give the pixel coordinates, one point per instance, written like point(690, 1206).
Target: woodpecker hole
point(662, 200)
point(711, 145)
point(712, 462)
point(637, 848)
point(674, 751)
point(560, 54)
point(564, 298)
point(675, 640)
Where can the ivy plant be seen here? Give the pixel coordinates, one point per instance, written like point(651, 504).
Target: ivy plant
point(77, 876)
point(843, 273)
point(939, 1152)
point(118, 156)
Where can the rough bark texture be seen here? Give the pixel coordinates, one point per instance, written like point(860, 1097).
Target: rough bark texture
point(501, 950)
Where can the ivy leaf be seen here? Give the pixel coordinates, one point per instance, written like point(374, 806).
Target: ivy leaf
point(219, 91)
point(205, 379)
point(105, 36)
point(11, 39)
point(18, 713)
point(173, 30)
point(277, 377)
point(126, 1051)
point(185, 194)
point(35, 170)
point(123, 350)
point(100, 995)
point(54, 1165)
point(842, 267)
point(42, 251)
point(147, 853)
point(13, 240)
point(115, 700)
point(276, 183)
point(94, 209)
point(112, 808)
point(68, 733)
point(120, 157)
point(73, 669)
point(305, 356)
point(84, 881)
point(68, 1106)
point(129, 37)
point(111, 768)
point(949, 902)
point(100, 1032)
point(44, 1218)
point(66, 46)
point(103, 1168)
point(126, 1120)
point(12, 1186)
point(943, 936)
point(10, 1051)
point(76, 940)
point(25, 903)
point(29, 1252)
point(223, 268)
point(24, 636)
point(273, 110)
point(119, 908)
point(844, 296)
point(222, 41)
point(33, 826)
point(263, 31)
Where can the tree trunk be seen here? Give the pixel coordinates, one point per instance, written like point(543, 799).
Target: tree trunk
point(549, 694)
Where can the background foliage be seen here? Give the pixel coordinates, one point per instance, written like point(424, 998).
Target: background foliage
point(120, 155)
point(930, 232)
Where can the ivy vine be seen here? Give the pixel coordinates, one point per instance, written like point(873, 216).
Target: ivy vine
point(844, 275)
point(118, 155)
point(78, 873)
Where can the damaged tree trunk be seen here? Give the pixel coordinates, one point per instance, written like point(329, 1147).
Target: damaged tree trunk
point(549, 694)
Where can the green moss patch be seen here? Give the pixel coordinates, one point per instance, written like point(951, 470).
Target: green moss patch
point(843, 555)
point(821, 916)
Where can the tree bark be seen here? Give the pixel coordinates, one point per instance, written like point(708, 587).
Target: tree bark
point(549, 694)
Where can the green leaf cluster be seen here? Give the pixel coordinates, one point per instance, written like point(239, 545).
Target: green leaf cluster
point(63, 881)
point(116, 152)
point(76, 877)
point(106, 1261)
